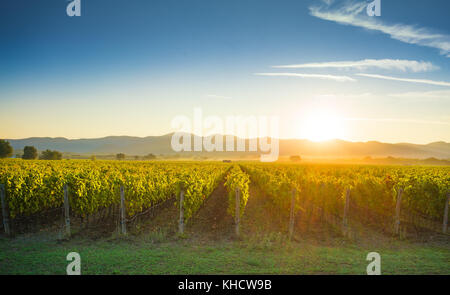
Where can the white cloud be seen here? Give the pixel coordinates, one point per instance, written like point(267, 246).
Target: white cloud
point(317, 76)
point(351, 14)
point(423, 81)
point(425, 94)
point(386, 64)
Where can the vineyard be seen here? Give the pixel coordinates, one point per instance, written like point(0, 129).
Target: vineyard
point(368, 193)
point(390, 199)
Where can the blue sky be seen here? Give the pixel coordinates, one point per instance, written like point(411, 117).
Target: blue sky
point(130, 67)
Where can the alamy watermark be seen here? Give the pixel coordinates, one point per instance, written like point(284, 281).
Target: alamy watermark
point(229, 134)
point(374, 267)
point(374, 8)
point(74, 267)
point(74, 8)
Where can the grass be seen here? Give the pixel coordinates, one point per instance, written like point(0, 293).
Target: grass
point(155, 254)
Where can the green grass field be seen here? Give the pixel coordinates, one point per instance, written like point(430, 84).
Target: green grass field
point(155, 254)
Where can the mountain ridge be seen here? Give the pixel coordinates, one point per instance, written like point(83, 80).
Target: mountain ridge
point(134, 145)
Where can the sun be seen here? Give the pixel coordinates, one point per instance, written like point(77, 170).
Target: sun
point(322, 125)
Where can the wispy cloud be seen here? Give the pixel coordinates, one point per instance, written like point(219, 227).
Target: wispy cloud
point(353, 13)
point(425, 94)
point(317, 76)
point(386, 64)
point(422, 81)
point(346, 95)
point(398, 120)
point(217, 96)
point(328, 2)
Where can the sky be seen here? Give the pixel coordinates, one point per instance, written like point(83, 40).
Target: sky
point(325, 68)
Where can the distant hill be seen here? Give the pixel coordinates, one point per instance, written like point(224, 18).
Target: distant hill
point(161, 145)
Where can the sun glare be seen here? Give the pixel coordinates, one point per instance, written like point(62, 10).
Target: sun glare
point(322, 125)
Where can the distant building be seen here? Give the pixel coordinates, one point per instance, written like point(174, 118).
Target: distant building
point(295, 158)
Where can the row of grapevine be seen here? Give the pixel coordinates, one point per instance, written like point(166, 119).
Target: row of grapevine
point(276, 181)
point(198, 183)
point(36, 186)
point(237, 179)
point(374, 189)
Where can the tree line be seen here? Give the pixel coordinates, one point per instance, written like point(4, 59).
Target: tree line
point(31, 153)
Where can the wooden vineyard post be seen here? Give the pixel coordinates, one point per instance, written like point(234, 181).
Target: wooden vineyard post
point(292, 213)
point(181, 221)
point(397, 211)
point(67, 211)
point(123, 225)
point(237, 212)
point(444, 224)
point(346, 206)
point(5, 211)
point(322, 201)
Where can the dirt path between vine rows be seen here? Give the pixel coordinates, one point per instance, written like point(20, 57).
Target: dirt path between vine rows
point(212, 221)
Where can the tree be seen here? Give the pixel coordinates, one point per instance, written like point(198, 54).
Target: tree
point(51, 155)
point(29, 153)
point(120, 156)
point(6, 150)
point(93, 158)
point(150, 157)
